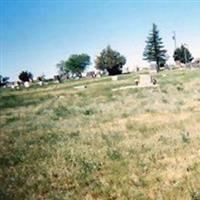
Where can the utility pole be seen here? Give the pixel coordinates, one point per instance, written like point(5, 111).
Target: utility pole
point(174, 38)
point(185, 45)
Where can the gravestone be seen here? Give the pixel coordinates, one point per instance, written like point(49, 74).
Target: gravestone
point(12, 86)
point(80, 87)
point(26, 84)
point(145, 80)
point(114, 78)
point(40, 83)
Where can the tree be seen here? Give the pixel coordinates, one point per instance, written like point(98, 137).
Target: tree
point(154, 50)
point(182, 54)
point(76, 64)
point(41, 77)
point(25, 76)
point(110, 60)
point(61, 68)
point(3, 80)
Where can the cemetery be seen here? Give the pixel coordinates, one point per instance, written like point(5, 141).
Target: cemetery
point(99, 100)
point(128, 137)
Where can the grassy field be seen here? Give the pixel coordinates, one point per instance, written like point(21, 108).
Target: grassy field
point(57, 142)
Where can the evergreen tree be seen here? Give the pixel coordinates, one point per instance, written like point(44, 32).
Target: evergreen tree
point(154, 50)
point(182, 54)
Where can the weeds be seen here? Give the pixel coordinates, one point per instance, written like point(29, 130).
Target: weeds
point(11, 159)
point(99, 144)
point(196, 196)
point(88, 111)
point(62, 111)
point(114, 154)
point(185, 136)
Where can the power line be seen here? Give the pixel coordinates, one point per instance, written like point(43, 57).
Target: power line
point(174, 38)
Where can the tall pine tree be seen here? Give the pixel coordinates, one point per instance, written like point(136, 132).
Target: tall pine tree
point(154, 50)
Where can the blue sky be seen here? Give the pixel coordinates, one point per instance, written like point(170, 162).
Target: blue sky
point(36, 34)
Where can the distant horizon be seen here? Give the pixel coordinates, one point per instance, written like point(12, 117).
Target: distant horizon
point(36, 35)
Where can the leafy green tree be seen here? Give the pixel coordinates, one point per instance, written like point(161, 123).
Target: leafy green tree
point(182, 54)
point(76, 64)
point(154, 50)
point(62, 68)
point(3, 80)
point(110, 60)
point(25, 76)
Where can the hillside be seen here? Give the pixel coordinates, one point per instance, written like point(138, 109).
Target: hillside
point(58, 142)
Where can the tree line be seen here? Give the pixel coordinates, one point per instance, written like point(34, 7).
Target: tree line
point(112, 61)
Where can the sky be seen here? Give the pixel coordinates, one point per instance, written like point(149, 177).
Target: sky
point(36, 34)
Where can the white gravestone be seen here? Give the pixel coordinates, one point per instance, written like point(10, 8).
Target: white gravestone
point(26, 84)
point(145, 80)
point(80, 87)
point(40, 83)
point(114, 78)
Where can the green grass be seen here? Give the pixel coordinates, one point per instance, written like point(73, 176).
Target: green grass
point(58, 142)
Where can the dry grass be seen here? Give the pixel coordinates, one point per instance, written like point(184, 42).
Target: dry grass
point(61, 143)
